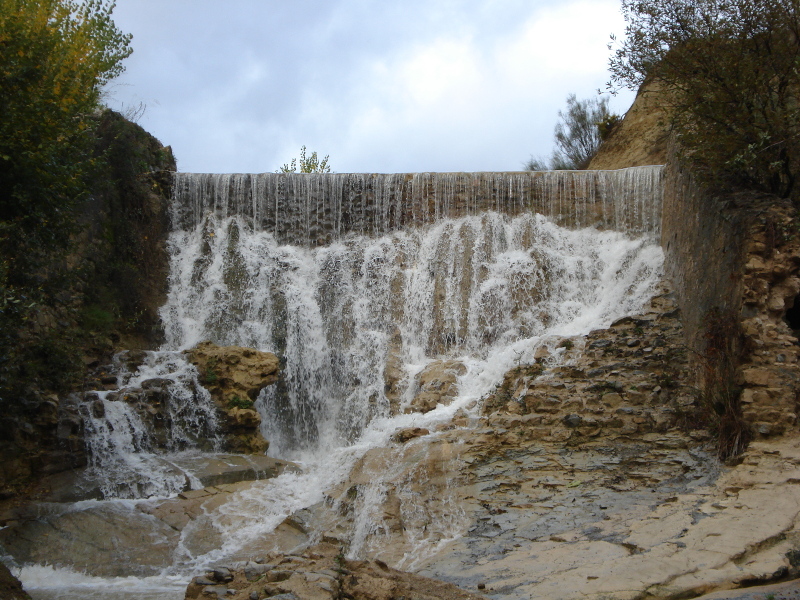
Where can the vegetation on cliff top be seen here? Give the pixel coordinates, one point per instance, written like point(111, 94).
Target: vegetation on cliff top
point(578, 134)
point(308, 164)
point(730, 70)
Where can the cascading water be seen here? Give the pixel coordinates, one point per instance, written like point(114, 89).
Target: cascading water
point(123, 444)
point(317, 209)
point(467, 287)
point(360, 282)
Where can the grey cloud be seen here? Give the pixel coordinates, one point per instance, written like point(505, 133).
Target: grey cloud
point(239, 86)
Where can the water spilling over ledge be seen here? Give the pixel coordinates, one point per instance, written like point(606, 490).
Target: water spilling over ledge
point(361, 281)
point(317, 209)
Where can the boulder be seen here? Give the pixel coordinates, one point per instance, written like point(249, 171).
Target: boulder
point(232, 373)
point(409, 433)
point(235, 377)
point(437, 384)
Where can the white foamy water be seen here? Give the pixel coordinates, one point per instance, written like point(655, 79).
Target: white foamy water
point(354, 322)
point(485, 290)
point(50, 583)
point(128, 457)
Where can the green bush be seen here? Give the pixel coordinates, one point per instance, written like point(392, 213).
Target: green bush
point(578, 134)
point(239, 402)
point(310, 164)
point(727, 72)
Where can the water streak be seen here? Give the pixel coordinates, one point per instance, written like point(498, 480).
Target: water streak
point(318, 209)
point(131, 431)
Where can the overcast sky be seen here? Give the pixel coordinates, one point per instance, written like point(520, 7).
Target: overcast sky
point(379, 85)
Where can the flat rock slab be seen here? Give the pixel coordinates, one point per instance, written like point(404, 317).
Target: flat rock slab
point(121, 538)
point(788, 590)
point(107, 539)
point(666, 540)
point(219, 469)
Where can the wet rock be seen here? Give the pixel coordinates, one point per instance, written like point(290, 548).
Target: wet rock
point(10, 587)
point(156, 383)
point(405, 435)
point(221, 575)
point(218, 469)
point(232, 371)
point(130, 542)
point(235, 376)
point(328, 576)
point(254, 571)
point(436, 384)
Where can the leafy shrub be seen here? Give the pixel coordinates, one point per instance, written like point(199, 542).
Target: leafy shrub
point(578, 134)
point(310, 164)
point(729, 80)
point(239, 402)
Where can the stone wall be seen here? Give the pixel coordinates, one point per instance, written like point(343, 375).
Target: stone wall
point(734, 262)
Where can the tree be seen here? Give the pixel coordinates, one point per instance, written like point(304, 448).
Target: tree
point(578, 134)
point(310, 164)
point(729, 71)
point(55, 57)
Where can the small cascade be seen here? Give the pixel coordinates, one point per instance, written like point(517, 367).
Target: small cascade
point(159, 409)
point(319, 209)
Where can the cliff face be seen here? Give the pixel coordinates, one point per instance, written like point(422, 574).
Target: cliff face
point(102, 294)
point(640, 139)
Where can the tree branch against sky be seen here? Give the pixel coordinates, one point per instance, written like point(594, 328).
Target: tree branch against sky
point(578, 134)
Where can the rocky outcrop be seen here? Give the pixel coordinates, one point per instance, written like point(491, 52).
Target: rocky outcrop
point(735, 267)
point(320, 573)
point(641, 138)
point(628, 379)
point(733, 260)
point(101, 294)
point(436, 384)
point(235, 376)
point(232, 373)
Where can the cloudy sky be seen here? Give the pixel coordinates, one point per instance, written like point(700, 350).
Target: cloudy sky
point(379, 85)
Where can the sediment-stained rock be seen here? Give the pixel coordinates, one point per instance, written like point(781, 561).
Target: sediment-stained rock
point(321, 573)
point(436, 384)
point(235, 376)
point(233, 372)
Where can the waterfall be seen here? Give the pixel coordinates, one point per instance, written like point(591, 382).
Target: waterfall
point(414, 268)
point(159, 408)
point(361, 284)
point(319, 209)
